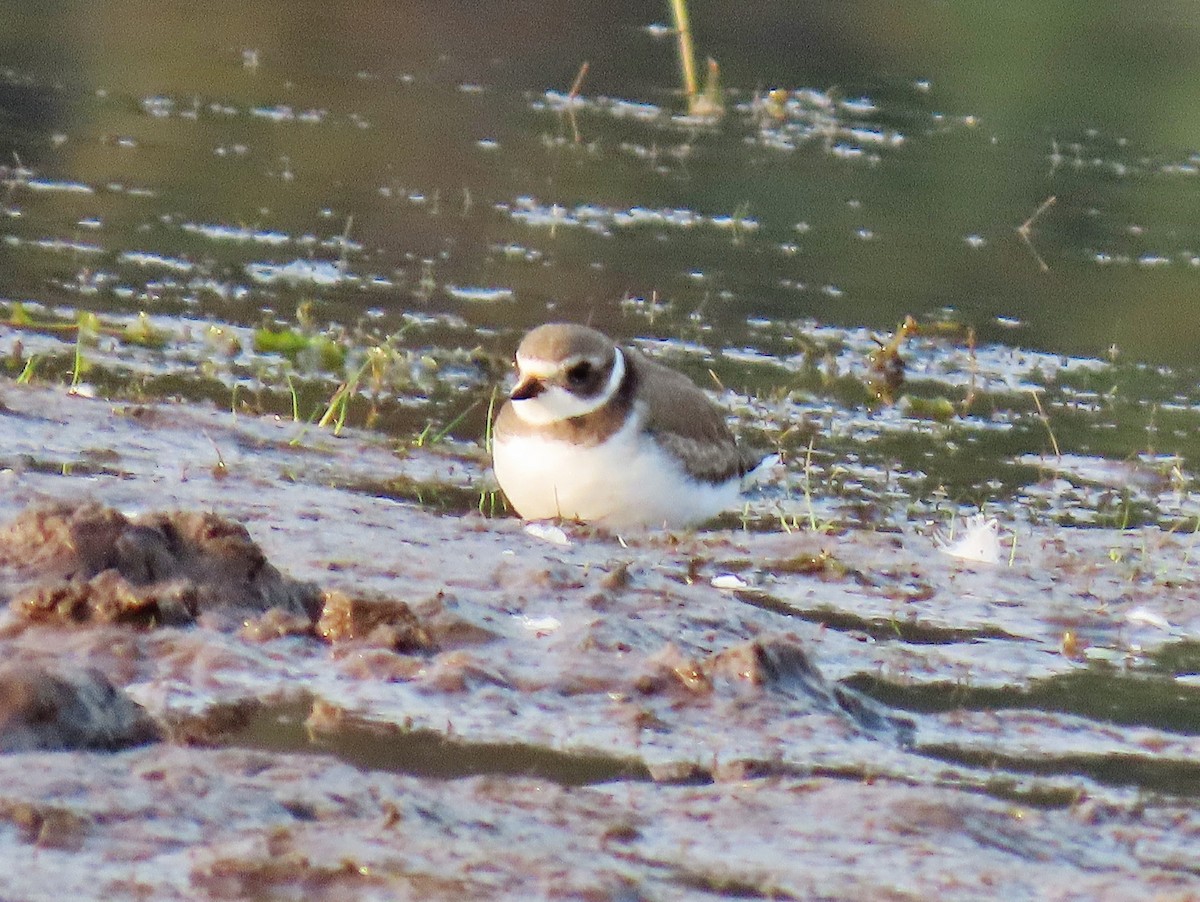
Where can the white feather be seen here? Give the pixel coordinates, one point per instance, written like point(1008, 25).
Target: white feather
point(626, 481)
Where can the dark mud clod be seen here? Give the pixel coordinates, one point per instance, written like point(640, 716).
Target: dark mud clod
point(773, 665)
point(107, 598)
point(47, 827)
point(379, 622)
point(276, 624)
point(45, 711)
point(84, 563)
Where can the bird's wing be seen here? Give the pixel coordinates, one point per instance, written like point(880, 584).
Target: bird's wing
point(685, 422)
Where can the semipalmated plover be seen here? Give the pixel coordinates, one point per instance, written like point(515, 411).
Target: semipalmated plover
point(604, 434)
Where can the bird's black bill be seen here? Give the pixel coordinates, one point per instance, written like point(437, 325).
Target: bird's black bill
point(529, 388)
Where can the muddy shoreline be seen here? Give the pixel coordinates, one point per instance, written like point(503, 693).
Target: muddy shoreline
point(474, 711)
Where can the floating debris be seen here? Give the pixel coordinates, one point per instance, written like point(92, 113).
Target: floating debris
point(480, 295)
point(240, 234)
point(53, 185)
point(979, 542)
point(540, 625)
point(602, 220)
point(283, 113)
point(313, 272)
point(886, 373)
point(729, 581)
point(146, 258)
point(1143, 616)
point(547, 532)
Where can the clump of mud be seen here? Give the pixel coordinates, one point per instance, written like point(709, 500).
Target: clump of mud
point(770, 664)
point(378, 622)
point(43, 711)
point(85, 566)
point(84, 563)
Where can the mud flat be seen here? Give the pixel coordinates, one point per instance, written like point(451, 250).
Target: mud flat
point(236, 668)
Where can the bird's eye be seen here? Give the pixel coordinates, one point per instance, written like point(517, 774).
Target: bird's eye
point(579, 373)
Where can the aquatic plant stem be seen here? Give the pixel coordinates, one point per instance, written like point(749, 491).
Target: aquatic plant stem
point(77, 369)
point(295, 398)
point(687, 51)
point(1046, 422)
point(1187, 554)
point(26, 378)
point(345, 243)
point(340, 402)
point(974, 371)
point(571, 97)
point(219, 470)
point(491, 418)
point(578, 83)
point(425, 438)
point(1025, 230)
point(808, 498)
point(440, 436)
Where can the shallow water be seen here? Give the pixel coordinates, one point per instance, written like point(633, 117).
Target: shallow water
point(278, 200)
point(385, 180)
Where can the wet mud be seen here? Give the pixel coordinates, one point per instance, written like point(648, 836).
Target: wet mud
point(349, 696)
point(79, 564)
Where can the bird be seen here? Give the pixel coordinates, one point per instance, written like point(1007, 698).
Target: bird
point(600, 433)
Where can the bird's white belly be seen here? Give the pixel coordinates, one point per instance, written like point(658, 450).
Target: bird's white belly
point(626, 481)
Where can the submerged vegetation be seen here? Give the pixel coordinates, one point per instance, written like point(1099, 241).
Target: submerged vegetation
point(843, 409)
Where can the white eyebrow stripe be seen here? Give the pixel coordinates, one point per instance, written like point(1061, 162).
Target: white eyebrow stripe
point(536, 367)
point(544, 369)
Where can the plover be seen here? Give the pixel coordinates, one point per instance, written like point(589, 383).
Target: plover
point(602, 433)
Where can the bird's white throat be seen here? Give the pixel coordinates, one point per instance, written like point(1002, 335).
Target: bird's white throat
point(555, 403)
